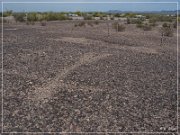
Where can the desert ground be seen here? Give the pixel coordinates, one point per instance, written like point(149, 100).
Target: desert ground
point(61, 78)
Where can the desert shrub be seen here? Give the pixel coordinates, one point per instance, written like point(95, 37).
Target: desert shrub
point(30, 23)
point(31, 17)
point(153, 20)
point(147, 27)
point(114, 25)
point(175, 24)
point(136, 21)
point(87, 17)
point(43, 23)
point(27, 23)
point(121, 27)
point(75, 25)
point(81, 24)
point(96, 22)
point(118, 27)
point(50, 16)
point(112, 18)
point(153, 24)
point(90, 23)
point(19, 17)
point(4, 21)
point(128, 21)
point(164, 25)
point(167, 31)
point(139, 25)
point(7, 13)
point(163, 18)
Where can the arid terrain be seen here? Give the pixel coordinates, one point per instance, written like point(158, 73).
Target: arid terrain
point(61, 78)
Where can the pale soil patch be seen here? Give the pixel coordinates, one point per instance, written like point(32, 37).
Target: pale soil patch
point(86, 41)
point(47, 89)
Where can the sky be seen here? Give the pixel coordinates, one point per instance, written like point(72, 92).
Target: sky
point(83, 6)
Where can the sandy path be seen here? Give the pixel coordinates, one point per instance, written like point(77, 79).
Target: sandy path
point(48, 89)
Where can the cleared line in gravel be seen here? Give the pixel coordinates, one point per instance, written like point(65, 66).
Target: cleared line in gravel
point(86, 41)
point(47, 90)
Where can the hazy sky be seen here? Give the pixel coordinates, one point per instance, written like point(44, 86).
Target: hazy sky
point(89, 6)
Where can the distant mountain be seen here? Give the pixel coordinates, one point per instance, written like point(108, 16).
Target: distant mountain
point(150, 12)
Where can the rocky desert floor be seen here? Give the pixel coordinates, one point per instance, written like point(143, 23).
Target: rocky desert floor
point(60, 78)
